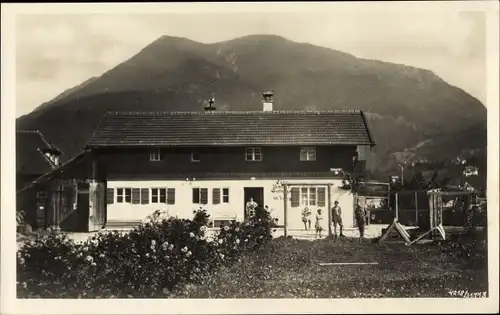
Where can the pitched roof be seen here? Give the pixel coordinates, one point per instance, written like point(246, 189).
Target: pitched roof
point(120, 129)
point(30, 159)
point(59, 171)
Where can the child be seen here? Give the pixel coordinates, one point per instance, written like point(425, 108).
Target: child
point(317, 225)
point(306, 217)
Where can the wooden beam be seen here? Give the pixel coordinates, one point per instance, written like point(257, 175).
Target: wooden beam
point(450, 193)
point(348, 263)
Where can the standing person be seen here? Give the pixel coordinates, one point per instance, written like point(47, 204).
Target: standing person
point(250, 207)
point(337, 219)
point(306, 217)
point(360, 216)
point(317, 224)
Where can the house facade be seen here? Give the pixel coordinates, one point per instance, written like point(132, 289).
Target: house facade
point(70, 197)
point(180, 161)
point(35, 156)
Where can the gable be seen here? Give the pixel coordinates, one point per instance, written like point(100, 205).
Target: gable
point(30, 159)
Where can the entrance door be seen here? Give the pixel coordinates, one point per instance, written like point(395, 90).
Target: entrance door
point(82, 207)
point(256, 193)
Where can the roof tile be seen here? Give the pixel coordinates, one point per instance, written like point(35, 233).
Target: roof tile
point(232, 128)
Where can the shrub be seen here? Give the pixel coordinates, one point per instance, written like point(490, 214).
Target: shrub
point(148, 261)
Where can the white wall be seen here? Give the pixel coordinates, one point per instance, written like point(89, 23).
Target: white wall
point(184, 207)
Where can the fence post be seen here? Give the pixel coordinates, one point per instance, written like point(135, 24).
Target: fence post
point(416, 208)
point(285, 208)
point(329, 210)
point(397, 205)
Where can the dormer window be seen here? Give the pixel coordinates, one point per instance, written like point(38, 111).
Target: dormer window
point(155, 154)
point(195, 157)
point(308, 154)
point(253, 154)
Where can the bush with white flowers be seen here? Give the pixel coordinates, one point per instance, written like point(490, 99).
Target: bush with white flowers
point(149, 261)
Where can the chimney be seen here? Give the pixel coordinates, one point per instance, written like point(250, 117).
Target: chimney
point(267, 101)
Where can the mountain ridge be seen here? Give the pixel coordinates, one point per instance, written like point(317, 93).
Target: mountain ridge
point(404, 105)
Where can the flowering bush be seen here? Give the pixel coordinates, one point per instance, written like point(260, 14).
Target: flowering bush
point(149, 261)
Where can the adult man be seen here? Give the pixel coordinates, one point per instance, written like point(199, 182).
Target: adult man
point(360, 216)
point(337, 219)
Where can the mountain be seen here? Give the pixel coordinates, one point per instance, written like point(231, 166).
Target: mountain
point(405, 106)
point(66, 93)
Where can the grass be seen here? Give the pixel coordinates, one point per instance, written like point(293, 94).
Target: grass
point(289, 268)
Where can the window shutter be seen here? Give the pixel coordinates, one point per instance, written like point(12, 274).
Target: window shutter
point(171, 196)
point(196, 195)
point(295, 196)
point(216, 196)
point(144, 196)
point(110, 196)
point(321, 196)
point(204, 196)
point(136, 196)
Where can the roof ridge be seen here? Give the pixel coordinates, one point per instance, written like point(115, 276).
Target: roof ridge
point(250, 112)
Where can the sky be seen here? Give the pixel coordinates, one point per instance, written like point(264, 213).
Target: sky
point(55, 52)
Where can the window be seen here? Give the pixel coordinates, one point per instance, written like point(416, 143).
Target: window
point(308, 196)
point(308, 154)
point(219, 195)
point(41, 194)
point(195, 157)
point(155, 154)
point(158, 195)
point(253, 154)
point(200, 196)
point(123, 195)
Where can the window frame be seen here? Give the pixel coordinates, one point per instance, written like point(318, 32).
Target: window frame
point(199, 196)
point(310, 154)
point(123, 195)
point(311, 196)
point(158, 195)
point(252, 152)
point(155, 154)
point(223, 195)
point(193, 159)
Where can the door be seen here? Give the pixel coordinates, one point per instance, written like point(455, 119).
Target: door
point(255, 193)
point(82, 207)
point(97, 199)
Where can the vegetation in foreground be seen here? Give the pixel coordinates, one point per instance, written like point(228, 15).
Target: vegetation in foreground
point(174, 258)
point(289, 268)
point(149, 261)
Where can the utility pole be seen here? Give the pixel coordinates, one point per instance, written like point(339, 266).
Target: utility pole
point(402, 167)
